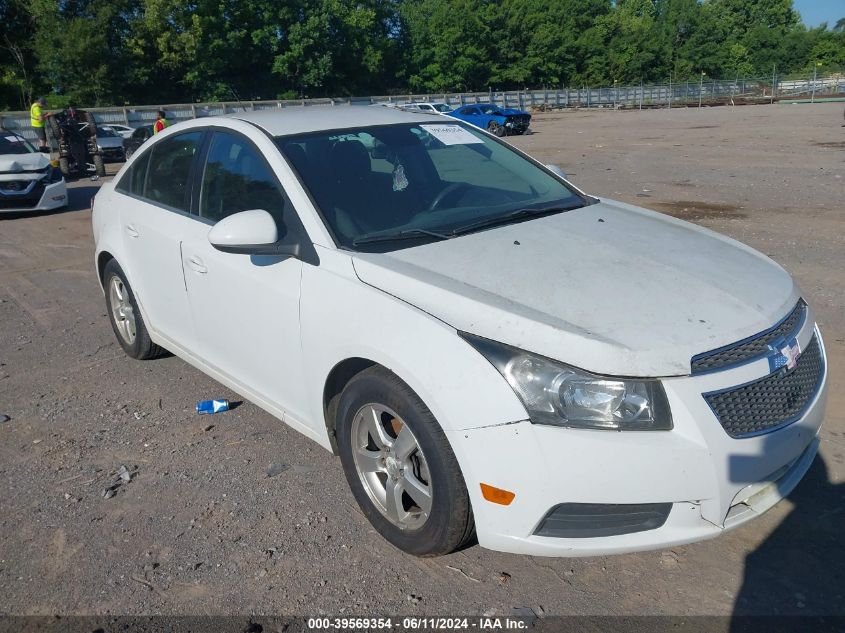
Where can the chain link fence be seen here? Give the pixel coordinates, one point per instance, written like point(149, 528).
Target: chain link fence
point(703, 92)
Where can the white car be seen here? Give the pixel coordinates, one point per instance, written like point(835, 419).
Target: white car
point(431, 108)
point(28, 180)
point(123, 131)
point(485, 346)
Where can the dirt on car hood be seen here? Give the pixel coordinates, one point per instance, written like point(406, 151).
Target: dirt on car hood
point(610, 288)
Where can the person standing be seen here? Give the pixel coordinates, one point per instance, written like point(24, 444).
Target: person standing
point(161, 122)
point(37, 116)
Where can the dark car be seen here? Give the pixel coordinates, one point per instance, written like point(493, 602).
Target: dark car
point(110, 144)
point(141, 134)
point(494, 119)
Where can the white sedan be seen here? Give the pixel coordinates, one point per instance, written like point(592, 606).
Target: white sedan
point(123, 131)
point(486, 347)
point(28, 180)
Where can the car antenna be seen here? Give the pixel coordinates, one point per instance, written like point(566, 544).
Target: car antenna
point(237, 98)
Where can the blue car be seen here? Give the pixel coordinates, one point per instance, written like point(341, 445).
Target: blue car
point(494, 119)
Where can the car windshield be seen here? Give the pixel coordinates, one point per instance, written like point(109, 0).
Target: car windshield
point(388, 187)
point(105, 132)
point(442, 107)
point(14, 144)
point(489, 109)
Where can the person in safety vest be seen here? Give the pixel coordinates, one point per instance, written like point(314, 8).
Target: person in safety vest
point(37, 117)
point(160, 123)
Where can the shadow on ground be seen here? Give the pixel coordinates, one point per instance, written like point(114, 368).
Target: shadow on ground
point(800, 569)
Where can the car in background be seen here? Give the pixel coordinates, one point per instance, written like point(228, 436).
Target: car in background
point(110, 144)
point(486, 347)
point(124, 131)
point(139, 135)
point(29, 181)
point(496, 120)
point(434, 108)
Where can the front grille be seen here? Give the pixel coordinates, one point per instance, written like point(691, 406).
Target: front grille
point(771, 402)
point(14, 186)
point(28, 201)
point(749, 349)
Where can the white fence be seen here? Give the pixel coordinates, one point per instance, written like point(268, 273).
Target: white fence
point(677, 94)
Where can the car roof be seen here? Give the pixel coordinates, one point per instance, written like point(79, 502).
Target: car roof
point(301, 119)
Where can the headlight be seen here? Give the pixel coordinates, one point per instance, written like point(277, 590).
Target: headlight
point(554, 393)
point(51, 175)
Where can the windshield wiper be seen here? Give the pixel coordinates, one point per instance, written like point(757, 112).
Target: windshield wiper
point(400, 235)
point(518, 214)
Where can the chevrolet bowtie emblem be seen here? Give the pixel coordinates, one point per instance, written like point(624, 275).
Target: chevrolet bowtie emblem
point(784, 354)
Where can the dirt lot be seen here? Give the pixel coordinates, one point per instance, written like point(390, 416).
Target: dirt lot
point(202, 528)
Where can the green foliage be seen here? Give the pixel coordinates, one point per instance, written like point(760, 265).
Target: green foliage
point(106, 52)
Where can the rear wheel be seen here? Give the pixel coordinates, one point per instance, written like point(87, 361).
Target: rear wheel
point(125, 317)
point(99, 166)
point(400, 466)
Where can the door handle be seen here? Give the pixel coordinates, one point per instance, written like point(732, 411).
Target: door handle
point(196, 264)
point(132, 231)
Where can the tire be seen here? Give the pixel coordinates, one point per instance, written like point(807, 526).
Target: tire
point(64, 167)
point(426, 468)
point(125, 316)
point(55, 132)
point(99, 166)
point(495, 128)
point(127, 153)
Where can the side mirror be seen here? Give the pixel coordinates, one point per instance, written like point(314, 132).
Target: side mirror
point(555, 169)
point(250, 233)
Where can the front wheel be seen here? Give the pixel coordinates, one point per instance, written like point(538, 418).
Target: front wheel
point(400, 467)
point(99, 166)
point(494, 128)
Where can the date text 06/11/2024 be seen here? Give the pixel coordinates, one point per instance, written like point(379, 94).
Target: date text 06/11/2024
point(418, 623)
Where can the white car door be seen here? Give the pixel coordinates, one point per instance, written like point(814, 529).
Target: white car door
point(245, 308)
point(154, 217)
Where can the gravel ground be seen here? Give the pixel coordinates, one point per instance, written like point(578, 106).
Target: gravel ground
point(237, 514)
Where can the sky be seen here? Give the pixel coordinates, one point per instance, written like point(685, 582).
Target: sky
point(814, 12)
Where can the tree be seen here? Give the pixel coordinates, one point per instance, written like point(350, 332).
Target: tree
point(17, 60)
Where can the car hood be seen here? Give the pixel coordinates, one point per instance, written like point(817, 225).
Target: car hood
point(19, 163)
point(610, 288)
point(513, 112)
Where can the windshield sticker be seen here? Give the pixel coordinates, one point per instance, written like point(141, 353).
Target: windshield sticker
point(400, 180)
point(451, 134)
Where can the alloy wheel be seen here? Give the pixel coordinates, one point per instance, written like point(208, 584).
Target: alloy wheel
point(122, 312)
point(391, 466)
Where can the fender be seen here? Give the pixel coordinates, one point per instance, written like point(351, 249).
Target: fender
point(460, 387)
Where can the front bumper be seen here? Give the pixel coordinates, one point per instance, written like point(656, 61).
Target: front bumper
point(113, 153)
point(40, 197)
point(713, 481)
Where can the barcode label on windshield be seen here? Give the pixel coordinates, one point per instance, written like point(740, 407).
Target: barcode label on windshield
point(451, 134)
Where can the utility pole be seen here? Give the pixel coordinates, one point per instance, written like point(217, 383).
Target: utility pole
point(774, 82)
point(815, 74)
point(670, 90)
point(700, 88)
